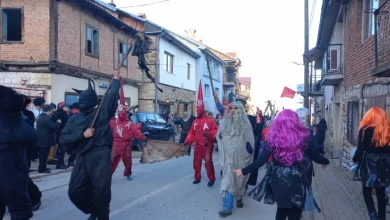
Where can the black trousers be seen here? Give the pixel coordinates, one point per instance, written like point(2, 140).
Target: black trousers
point(183, 136)
point(90, 183)
point(43, 155)
point(61, 150)
point(33, 190)
point(381, 197)
point(72, 157)
point(288, 213)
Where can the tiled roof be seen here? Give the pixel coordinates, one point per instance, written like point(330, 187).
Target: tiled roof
point(246, 81)
point(232, 54)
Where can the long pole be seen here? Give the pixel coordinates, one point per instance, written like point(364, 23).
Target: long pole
point(305, 58)
point(116, 75)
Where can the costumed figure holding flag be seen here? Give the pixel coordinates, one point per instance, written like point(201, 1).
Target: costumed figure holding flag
point(236, 146)
point(124, 131)
point(203, 132)
point(90, 182)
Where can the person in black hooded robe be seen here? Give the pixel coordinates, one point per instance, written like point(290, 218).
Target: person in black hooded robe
point(90, 181)
point(15, 136)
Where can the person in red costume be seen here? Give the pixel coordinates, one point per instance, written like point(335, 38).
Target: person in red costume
point(123, 131)
point(203, 132)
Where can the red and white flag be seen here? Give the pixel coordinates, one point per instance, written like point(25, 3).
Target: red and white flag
point(288, 93)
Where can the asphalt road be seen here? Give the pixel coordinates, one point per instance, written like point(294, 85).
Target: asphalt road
point(159, 191)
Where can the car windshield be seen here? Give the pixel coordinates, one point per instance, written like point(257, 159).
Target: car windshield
point(160, 119)
point(150, 119)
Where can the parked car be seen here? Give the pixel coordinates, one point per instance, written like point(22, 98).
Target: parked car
point(155, 125)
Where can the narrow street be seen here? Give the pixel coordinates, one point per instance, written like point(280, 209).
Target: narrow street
point(165, 191)
point(159, 191)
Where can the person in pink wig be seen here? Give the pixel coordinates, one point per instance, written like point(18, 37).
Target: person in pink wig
point(286, 179)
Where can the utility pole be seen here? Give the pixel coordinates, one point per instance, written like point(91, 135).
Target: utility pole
point(305, 58)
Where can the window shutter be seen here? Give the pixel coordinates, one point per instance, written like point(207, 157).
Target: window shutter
point(333, 59)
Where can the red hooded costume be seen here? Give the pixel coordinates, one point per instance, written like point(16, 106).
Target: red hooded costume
point(203, 132)
point(123, 131)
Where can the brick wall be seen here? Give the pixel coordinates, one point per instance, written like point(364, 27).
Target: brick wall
point(35, 32)
point(72, 41)
point(359, 56)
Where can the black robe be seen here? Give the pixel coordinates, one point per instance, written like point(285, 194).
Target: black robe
point(90, 182)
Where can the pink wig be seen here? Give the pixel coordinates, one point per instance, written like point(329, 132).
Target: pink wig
point(287, 138)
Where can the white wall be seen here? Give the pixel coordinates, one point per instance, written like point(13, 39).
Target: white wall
point(62, 84)
point(180, 60)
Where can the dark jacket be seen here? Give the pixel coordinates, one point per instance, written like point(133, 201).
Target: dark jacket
point(15, 136)
point(63, 116)
point(29, 117)
point(185, 125)
point(374, 161)
point(73, 132)
point(287, 183)
point(46, 129)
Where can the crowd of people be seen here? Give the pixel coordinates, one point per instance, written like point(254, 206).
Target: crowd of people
point(286, 143)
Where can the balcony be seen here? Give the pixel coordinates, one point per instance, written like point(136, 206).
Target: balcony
point(315, 88)
point(229, 78)
point(382, 43)
point(333, 67)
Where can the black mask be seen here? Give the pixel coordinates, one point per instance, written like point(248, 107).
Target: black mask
point(88, 99)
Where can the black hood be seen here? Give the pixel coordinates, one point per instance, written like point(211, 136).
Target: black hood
point(88, 99)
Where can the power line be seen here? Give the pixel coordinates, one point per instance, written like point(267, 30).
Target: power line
point(152, 3)
point(312, 13)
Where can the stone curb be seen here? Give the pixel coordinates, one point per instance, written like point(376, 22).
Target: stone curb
point(36, 175)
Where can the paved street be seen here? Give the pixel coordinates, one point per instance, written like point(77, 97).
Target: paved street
point(165, 191)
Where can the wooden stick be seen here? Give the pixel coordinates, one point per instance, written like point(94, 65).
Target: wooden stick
point(116, 75)
point(211, 80)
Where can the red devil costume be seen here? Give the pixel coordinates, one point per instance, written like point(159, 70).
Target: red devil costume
point(123, 131)
point(203, 132)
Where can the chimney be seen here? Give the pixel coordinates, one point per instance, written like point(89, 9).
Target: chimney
point(191, 33)
point(112, 3)
point(142, 15)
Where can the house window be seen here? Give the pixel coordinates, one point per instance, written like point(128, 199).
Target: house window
point(217, 91)
point(11, 23)
point(206, 90)
point(185, 107)
point(369, 17)
point(188, 71)
point(168, 66)
point(92, 41)
point(71, 98)
point(122, 52)
point(353, 122)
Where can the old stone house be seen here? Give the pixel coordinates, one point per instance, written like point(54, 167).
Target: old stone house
point(352, 52)
point(49, 47)
point(174, 64)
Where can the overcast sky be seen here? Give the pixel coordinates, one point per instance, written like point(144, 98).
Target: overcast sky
point(267, 35)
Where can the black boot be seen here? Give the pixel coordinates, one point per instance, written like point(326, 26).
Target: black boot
point(92, 217)
point(240, 204)
point(210, 183)
point(224, 213)
point(196, 181)
point(61, 167)
point(373, 216)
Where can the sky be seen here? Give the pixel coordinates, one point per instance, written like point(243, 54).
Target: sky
point(267, 35)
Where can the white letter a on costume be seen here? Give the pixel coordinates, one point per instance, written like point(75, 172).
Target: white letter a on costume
point(205, 127)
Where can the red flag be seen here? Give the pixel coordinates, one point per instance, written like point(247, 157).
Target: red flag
point(287, 92)
point(200, 103)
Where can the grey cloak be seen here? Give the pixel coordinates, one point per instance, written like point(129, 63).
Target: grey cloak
point(234, 155)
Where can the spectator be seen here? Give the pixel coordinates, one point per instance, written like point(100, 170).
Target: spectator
point(46, 129)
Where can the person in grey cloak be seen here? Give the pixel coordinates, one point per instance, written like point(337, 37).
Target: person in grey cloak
point(236, 145)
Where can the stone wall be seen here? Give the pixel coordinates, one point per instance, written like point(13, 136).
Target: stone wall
point(30, 84)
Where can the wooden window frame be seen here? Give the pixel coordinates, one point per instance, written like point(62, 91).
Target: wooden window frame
point(166, 64)
point(2, 41)
point(126, 63)
point(92, 42)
